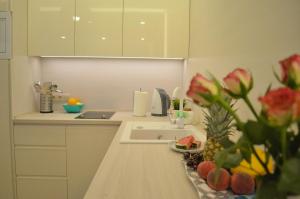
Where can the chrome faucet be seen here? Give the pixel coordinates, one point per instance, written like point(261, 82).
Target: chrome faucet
point(179, 121)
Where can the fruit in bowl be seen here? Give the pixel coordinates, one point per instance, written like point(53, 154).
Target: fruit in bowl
point(204, 168)
point(242, 183)
point(218, 181)
point(73, 106)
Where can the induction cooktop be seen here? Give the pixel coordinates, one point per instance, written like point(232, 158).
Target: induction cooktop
point(95, 115)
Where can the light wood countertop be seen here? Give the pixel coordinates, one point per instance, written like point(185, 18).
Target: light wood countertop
point(140, 171)
point(68, 118)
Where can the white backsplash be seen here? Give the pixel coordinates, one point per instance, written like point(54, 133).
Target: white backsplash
point(109, 83)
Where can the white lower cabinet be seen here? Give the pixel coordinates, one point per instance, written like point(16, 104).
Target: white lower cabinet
point(41, 161)
point(87, 146)
point(58, 161)
point(42, 188)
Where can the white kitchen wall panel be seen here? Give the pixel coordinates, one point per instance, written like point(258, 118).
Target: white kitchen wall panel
point(109, 83)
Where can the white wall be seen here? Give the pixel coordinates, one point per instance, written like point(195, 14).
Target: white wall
point(24, 70)
point(109, 83)
point(4, 5)
point(253, 34)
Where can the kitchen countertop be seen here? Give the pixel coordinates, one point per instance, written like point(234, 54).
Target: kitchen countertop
point(140, 171)
point(129, 171)
point(68, 118)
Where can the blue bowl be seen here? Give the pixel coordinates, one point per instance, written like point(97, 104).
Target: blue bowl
point(73, 108)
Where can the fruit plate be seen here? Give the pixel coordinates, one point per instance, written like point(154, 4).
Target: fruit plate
point(205, 192)
point(172, 145)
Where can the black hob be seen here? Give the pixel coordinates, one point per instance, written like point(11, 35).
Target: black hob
point(95, 115)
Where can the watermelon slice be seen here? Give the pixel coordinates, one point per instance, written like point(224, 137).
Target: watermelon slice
point(185, 143)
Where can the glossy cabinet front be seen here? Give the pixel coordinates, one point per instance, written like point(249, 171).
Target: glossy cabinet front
point(98, 27)
point(51, 27)
point(115, 28)
point(156, 28)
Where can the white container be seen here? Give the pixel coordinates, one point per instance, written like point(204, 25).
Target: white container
point(140, 103)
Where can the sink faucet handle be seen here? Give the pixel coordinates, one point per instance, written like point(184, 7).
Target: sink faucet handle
point(170, 115)
point(179, 121)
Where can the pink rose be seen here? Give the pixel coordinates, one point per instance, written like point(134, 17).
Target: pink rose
point(238, 82)
point(201, 89)
point(296, 112)
point(281, 106)
point(290, 68)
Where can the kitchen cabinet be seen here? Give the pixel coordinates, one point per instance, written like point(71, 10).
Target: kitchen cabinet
point(45, 135)
point(42, 188)
point(40, 161)
point(58, 161)
point(87, 146)
point(98, 28)
point(156, 28)
point(115, 28)
point(51, 27)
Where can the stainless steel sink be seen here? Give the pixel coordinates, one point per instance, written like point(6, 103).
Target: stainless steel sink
point(95, 115)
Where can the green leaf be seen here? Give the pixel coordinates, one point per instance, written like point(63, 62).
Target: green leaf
point(256, 132)
point(227, 159)
point(268, 189)
point(289, 178)
point(226, 143)
point(276, 75)
point(245, 149)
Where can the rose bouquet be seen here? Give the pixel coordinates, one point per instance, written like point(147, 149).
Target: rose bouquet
point(269, 147)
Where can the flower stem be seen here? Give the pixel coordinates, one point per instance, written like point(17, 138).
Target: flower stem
point(228, 108)
point(260, 161)
point(283, 144)
point(260, 119)
point(247, 101)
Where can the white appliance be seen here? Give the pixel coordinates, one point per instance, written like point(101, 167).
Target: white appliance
point(160, 102)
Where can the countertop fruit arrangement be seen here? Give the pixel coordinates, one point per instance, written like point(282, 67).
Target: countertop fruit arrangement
point(202, 164)
point(187, 143)
point(240, 183)
point(73, 105)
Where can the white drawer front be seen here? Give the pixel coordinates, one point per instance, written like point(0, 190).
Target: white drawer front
point(40, 135)
point(34, 161)
point(41, 188)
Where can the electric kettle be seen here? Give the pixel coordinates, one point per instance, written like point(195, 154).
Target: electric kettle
point(160, 102)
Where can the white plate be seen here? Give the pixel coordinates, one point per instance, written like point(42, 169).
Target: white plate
point(172, 145)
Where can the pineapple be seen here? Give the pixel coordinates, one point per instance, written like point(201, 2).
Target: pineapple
point(218, 127)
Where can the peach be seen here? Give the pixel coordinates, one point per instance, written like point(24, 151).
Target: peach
point(218, 183)
point(242, 183)
point(204, 168)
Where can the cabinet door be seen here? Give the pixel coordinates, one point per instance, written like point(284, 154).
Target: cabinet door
point(156, 28)
point(98, 27)
point(41, 188)
point(87, 146)
point(39, 135)
point(40, 161)
point(51, 27)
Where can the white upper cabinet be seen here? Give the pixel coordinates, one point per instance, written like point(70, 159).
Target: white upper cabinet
point(129, 28)
point(98, 28)
point(156, 28)
point(51, 27)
